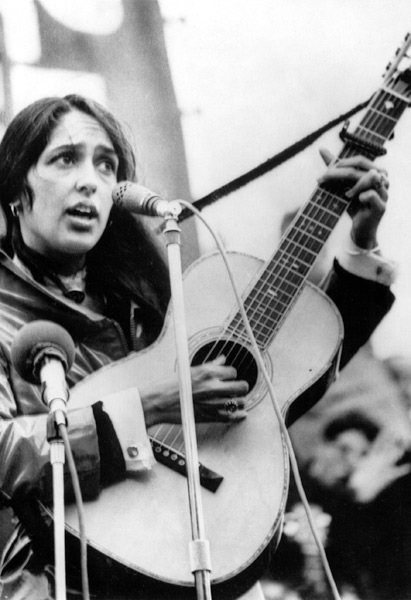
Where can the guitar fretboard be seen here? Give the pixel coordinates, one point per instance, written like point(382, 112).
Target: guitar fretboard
point(283, 277)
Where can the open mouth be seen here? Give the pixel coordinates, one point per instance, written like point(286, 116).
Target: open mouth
point(83, 212)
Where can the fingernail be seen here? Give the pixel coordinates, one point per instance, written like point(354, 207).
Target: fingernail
point(349, 193)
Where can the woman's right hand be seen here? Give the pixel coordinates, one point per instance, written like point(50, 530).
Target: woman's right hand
point(216, 396)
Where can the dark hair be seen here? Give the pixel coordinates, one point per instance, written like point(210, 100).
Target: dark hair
point(351, 420)
point(127, 261)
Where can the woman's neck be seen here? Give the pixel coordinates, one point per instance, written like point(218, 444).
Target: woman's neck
point(66, 267)
point(59, 265)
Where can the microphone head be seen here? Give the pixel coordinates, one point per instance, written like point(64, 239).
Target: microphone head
point(140, 200)
point(132, 196)
point(36, 341)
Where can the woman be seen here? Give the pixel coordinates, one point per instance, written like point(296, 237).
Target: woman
point(70, 256)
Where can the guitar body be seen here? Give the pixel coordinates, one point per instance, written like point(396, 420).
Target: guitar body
point(142, 524)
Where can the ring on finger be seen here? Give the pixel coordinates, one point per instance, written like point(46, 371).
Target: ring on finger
point(231, 406)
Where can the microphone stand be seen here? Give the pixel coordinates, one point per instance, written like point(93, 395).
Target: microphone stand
point(199, 547)
point(57, 417)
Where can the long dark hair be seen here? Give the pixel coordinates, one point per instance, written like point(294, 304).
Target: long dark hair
point(127, 262)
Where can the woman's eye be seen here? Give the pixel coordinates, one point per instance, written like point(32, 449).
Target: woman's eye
point(108, 166)
point(64, 159)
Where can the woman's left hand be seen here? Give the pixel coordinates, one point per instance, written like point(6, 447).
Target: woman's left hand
point(369, 190)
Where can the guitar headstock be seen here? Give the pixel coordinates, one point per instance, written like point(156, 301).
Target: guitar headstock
point(398, 72)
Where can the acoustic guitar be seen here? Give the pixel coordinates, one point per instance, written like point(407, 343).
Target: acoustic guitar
point(141, 526)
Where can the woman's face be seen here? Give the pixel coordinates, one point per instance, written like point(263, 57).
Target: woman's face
point(72, 183)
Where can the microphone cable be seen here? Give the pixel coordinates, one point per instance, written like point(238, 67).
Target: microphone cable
point(275, 403)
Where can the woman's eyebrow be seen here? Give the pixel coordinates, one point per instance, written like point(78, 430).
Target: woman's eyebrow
point(107, 150)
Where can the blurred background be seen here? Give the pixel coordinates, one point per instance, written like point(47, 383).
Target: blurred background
point(209, 90)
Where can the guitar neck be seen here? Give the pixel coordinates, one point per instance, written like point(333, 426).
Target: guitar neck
point(280, 283)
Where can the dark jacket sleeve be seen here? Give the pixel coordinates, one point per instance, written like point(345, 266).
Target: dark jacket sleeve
point(362, 304)
point(25, 452)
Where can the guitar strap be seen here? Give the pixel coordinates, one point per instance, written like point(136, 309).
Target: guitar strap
point(270, 164)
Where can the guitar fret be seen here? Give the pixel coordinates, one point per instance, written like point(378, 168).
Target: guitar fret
point(277, 294)
point(300, 256)
point(396, 94)
point(313, 229)
point(258, 307)
point(278, 287)
point(372, 136)
point(384, 114)
point(283, 277)
point(265, 326)
point(377, 127)
point(262, 332)
point(393, 104)
point(384, 110)
point(331, 202)
point(295, 263)
point(382, 117)
point(328, 214)
point(309, 237)
point(280, 272)
point(261, 311)
point(280, 299)
point(309, 222)
point(268, 319)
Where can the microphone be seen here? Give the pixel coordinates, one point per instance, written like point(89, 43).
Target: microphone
point(139, 200)
point(43, 352)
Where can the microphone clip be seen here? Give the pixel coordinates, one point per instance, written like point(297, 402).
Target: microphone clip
point(172, 209)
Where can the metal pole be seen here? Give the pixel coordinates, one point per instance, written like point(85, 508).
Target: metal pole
point(57, 459)
point(199, 546)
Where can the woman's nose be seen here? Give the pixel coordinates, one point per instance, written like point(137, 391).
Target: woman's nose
point(88, 188)
point(86, 179)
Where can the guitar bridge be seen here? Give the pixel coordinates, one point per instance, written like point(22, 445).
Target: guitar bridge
point(168, 456)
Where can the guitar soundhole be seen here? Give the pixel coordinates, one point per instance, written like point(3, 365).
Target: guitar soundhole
point(236, 355)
